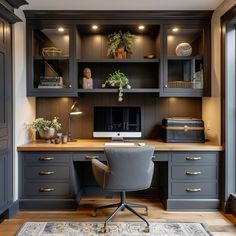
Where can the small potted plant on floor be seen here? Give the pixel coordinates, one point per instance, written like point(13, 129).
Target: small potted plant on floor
point(46, 128)
point(119, 44)
point(117, 80)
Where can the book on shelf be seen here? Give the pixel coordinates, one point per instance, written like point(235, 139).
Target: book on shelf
point(50, 86)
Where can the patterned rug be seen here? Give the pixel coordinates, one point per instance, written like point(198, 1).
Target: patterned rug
point(113, 229)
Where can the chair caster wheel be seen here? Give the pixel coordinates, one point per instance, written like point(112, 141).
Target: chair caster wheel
point(146, 229)
point(103, 230)
point(94, 214)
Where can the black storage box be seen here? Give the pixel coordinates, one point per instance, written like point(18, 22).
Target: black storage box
point(183, 130)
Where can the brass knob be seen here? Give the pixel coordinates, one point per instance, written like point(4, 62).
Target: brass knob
point(46, 158)
point(193, 158)
point(46, 190)
point(193, 189)
point(46, 172)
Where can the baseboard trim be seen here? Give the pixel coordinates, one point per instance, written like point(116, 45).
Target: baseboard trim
point(47, 204)
point(11, 210)
point(192, 204)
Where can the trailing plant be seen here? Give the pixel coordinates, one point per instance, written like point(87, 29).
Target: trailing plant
point(42, 124)
point(117, 79)
point(120, 39)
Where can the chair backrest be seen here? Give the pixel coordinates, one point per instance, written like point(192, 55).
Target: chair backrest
point(130, 169)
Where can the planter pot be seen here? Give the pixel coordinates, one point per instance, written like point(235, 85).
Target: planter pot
point(120, 53)
point(47, 134)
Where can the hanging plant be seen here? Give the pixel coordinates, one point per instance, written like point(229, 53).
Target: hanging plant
point(117, 79)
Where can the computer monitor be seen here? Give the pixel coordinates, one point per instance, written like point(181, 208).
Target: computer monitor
point(117, 122)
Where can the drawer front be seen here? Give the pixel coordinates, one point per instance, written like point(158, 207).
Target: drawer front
point(194, 172)
point(194, 157)
point(192, 190)
point(161, 156)
point(46, 157)
point(46, 172)
point(47, 189)
point(88, 156)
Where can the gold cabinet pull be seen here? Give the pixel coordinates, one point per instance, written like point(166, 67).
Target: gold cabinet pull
point(46, 158)
point(193, 158)
point(193, 189)
point(91, 157)
point(193, 172)
point(46, 172)
point(46, 190)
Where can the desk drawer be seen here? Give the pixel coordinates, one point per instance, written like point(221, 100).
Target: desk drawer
point(194, 172)
point(46, 189)
point(46, 172)
point(194, 157)
point(87, 156)
point(46, 157)
point(194, 190)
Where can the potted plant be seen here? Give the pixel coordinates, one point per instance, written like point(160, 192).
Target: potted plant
point(117, 79)
point(46, 128)
point(119, 44)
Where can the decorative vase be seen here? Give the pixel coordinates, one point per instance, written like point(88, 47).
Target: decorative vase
point(47, 134)
point(183, 49)
point(120, 52)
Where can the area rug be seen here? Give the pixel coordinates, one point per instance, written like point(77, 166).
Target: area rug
point(113, 229)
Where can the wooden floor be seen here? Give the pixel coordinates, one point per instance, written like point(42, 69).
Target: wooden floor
point(217, 223)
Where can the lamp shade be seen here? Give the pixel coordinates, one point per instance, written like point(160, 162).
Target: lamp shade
point(74, 110)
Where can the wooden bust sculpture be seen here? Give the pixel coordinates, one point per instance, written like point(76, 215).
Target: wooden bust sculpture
point(87, 80)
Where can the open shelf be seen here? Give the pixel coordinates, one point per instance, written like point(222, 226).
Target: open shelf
point(114, 90)
point(110, 60)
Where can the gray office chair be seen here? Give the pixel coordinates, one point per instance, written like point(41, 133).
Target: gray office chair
point(128, 169)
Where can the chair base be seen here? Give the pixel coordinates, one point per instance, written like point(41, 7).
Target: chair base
point(120, 207)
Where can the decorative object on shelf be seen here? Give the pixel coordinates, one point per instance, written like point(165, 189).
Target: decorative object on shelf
point(119, 44)
point(74, 111)
point(46, 128)
point(117, 79)
point(150, 56)
point(197, 82)
point(51, 51)
point(87, 81)
point(183, 49)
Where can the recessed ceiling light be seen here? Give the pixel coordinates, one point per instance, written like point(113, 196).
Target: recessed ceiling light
point(141, 27)
point(61, 29)
point(94, 27)
point(175, 29)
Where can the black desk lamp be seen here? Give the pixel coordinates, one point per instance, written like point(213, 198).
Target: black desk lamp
point(74, 110)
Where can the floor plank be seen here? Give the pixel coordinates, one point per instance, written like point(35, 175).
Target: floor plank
point(217, 223)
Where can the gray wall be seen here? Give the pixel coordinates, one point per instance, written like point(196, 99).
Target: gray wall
point(153, 110)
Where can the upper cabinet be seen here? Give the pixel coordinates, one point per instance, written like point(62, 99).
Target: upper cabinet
point(186, 60)
point(140, 64)
point(169, 56)
point(50, 60)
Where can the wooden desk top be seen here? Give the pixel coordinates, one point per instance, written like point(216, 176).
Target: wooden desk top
point(98, 145)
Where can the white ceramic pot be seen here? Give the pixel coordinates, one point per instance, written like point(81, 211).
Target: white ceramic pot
point(47, 134)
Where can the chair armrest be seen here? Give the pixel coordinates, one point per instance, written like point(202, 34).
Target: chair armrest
point(100, 171)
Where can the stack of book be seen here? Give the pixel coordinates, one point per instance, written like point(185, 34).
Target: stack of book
point(50, 82)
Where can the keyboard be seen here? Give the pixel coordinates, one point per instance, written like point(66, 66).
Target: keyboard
point(115, 144)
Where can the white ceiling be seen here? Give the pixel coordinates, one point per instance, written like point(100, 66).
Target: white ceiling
point(122, 4)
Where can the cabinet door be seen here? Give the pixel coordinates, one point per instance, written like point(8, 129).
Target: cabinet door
point(50, 60)
point(5, 116)
point(186, 59)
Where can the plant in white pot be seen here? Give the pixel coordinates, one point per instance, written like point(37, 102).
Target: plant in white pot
point(117, 80)
point(46, 128)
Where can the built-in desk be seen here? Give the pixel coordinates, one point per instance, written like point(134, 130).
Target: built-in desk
point(56, 176)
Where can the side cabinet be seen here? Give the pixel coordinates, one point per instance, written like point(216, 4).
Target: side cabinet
point(46, 181)
point(193, 181)
point(6, 182)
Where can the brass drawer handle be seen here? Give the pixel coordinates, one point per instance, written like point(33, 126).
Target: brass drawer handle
point(46, 172)
point(91, 157)
point(46, 158)
point(193, 158)
point(193, 172)
point(46, 190)
point(193, 189)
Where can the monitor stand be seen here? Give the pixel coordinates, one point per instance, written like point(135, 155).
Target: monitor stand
point(117, 139)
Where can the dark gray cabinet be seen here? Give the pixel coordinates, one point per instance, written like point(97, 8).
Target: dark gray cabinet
point(57, 180)
point(6, 165)
point(153, 67)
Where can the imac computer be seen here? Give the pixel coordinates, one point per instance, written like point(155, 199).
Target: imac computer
point(117, 122)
